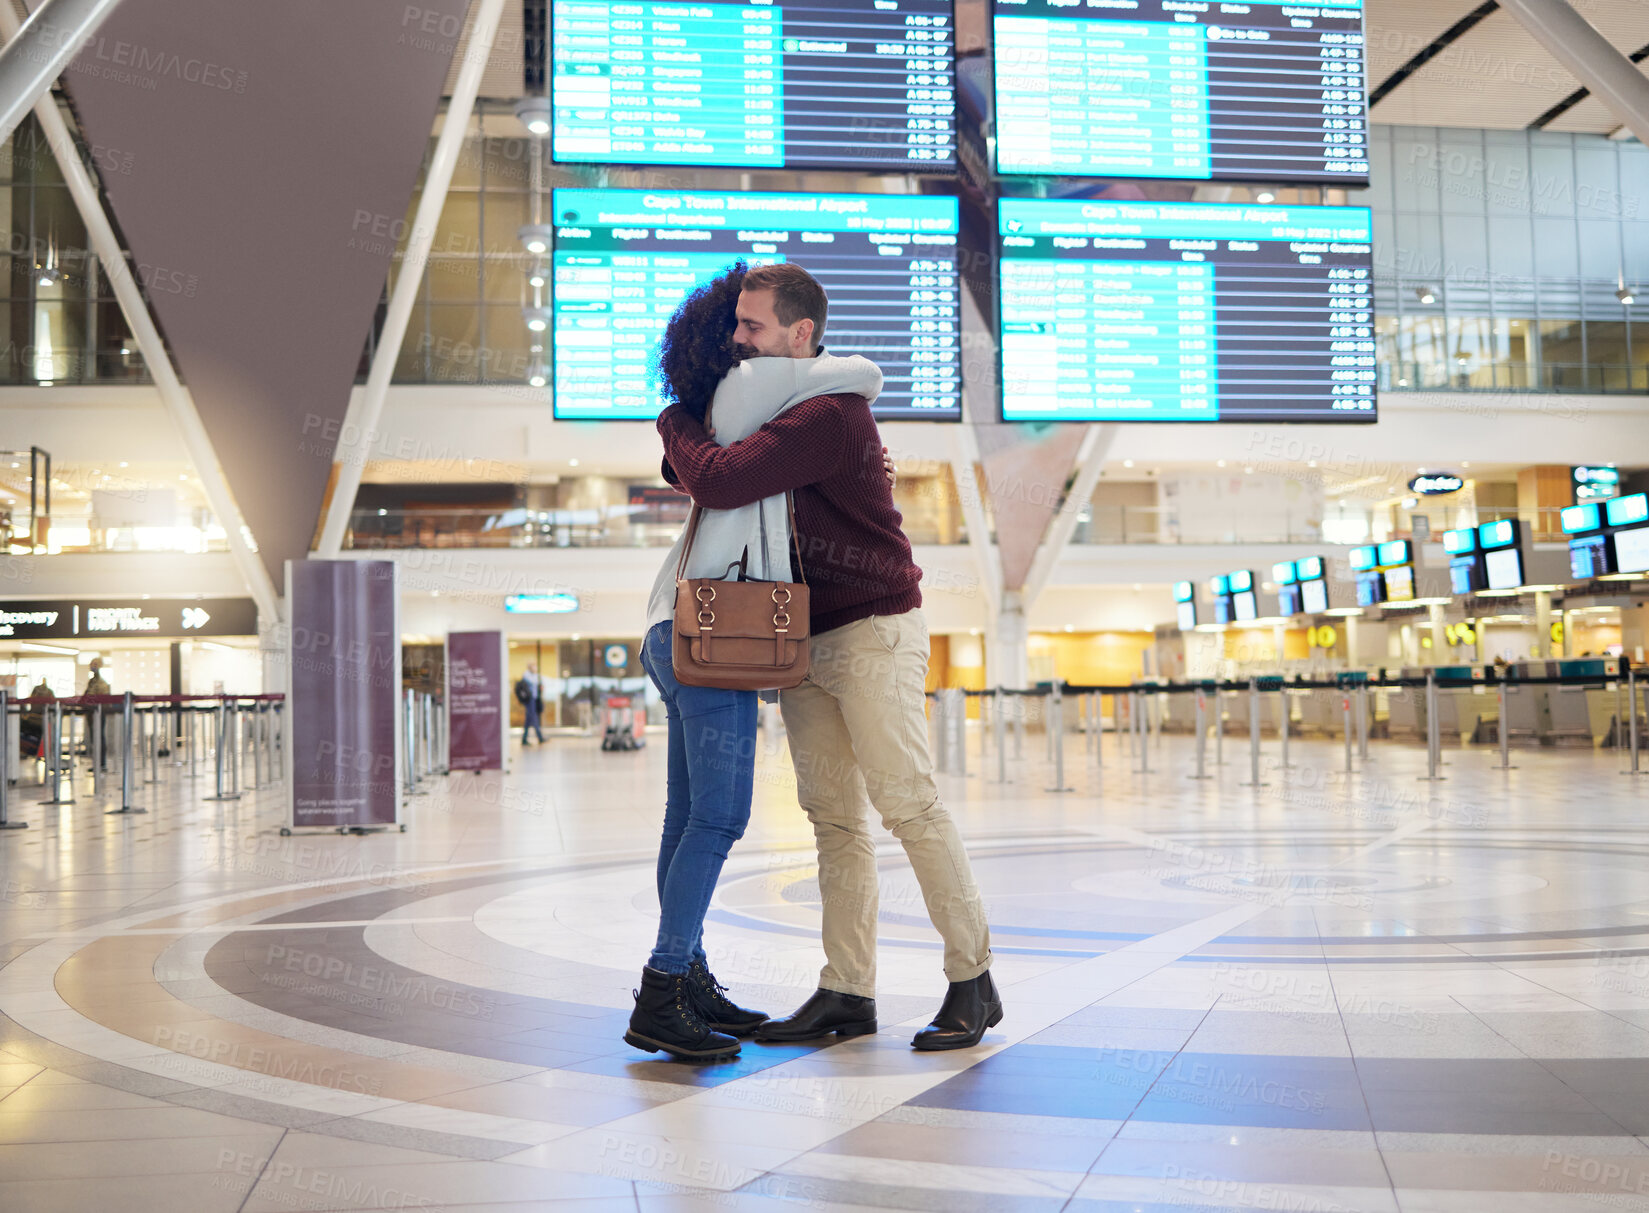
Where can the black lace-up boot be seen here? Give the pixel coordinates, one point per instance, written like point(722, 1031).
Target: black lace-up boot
point(718, 1010)
point(666, 1018)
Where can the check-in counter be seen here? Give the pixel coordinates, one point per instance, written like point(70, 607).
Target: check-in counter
point(1549, 714)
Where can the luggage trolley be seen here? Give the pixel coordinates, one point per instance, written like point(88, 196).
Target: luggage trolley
point(624, 723)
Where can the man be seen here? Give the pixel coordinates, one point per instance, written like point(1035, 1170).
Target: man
point(529, 692)
point(857, 725)
point(99, 685)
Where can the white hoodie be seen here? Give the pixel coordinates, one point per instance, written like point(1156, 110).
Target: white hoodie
point(751, 395)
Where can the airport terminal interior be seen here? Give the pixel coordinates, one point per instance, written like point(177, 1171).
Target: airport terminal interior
point(1257, 389)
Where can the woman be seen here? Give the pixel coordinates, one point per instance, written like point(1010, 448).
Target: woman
point(680, 1007)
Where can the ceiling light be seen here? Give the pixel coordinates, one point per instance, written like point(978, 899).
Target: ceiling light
point(1265, 196)
point(534, 113)
point(536, 278)
point(1220, 463)
point(538, 380)
point(1426, 295)
point(1127, 463)
point(124, 464)
point(534, 237)
point(572, 463)
point(48, 648)
point(1625, 295)
point(537, 318)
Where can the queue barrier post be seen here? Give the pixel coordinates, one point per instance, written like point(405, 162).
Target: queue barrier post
point(1504, 735)
point(1219, 726)
point(153, 725)
point(1201, 727)
point(1056, 732)
point(5, 764)
point(1362, 721)
point(223, 752)
point(1254, 780)
point(1285, 722)
point(409, 727)
point(54, 756)
point(1096, 717)
point(1434, 732)
point(999, 729)
point(128, 714)
point(1345, 717)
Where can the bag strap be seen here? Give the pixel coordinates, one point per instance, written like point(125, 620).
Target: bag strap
point(687, 546)
point(795, 538)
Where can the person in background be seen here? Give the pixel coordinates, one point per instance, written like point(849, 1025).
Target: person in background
point(530, 693)
point(98, 685)
point(32, 723)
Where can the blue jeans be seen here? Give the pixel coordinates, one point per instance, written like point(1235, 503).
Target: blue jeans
point(712, 763)
point(532, 725)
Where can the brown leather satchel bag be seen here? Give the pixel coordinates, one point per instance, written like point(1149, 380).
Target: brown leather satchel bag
point(740, 635)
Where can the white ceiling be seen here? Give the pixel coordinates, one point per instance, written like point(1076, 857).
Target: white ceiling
point(1496, 75)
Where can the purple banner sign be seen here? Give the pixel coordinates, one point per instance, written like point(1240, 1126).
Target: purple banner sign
point(475, 701)
point(345, 694)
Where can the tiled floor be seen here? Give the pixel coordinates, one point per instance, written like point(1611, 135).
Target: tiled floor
point(1334, 992)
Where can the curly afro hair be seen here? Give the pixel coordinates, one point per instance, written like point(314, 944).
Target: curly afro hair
point(696, 351)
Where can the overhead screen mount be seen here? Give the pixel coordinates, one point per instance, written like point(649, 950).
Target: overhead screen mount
point(1265, 90)
point(624, 260)
point(856, 85)
point(1185, 312)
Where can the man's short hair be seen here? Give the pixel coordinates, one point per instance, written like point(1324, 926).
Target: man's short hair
point(796, 294)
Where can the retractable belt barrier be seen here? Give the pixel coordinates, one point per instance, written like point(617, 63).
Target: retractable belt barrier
point(1144, 717)
point(136, 732)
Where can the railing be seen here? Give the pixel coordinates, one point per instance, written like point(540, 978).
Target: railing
point(606, 527)
point(75, 536)
point(1546, 377)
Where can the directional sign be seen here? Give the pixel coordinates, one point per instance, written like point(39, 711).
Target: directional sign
point(102, 618)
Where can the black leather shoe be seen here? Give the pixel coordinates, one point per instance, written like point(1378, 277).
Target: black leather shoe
point(720, 1011)
point(969, 1008)
point(824, 1012)
point(665, 1018)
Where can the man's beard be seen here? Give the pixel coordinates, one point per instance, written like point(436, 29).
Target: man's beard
point(745, 353)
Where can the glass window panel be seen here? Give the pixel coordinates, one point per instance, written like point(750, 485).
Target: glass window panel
point(502, 216)
point(1597, 181)
point(509, 356)
point(1506, 172)
point(1554, 247)
point(454, 343)
point(1562, 355)
point(454, 280)
point(59, 340)
point(114, 351)
point(1461, 176)
point(1607, 349)
point(1419, 246)
point(1416, 186)
point(508, 164)
point(458, 232)
point(1551, 175)
point(466, 173)
point(1511, 244)
point(1599, 248)
point(505, 280)
point(1465, 238)
point(411, 364)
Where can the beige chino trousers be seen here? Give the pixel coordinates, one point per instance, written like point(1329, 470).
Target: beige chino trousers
point(859, 737)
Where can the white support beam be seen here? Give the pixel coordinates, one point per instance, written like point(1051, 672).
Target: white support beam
point(1090, 461)
point(367, 409)
point(37, 51)
point(179, 404)
point(1574, 42)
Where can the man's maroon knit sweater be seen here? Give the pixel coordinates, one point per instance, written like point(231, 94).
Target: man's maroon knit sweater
point(827, 449)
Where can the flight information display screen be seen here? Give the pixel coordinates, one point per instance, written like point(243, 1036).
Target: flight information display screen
point(1168, 311)
point(624, 259)
point(1265, 90)
point(850, 84)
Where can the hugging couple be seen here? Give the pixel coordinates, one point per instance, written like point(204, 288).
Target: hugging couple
point(760, 411)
